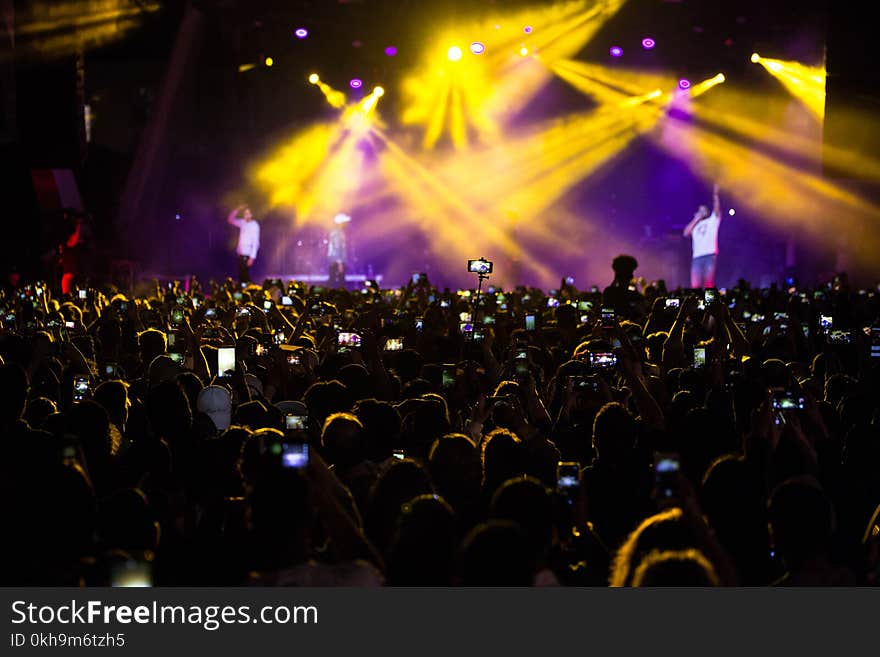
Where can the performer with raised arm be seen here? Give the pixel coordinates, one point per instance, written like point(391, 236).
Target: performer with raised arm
point(703, 231)
point(248, 240)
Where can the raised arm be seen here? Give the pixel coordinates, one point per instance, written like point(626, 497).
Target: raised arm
point(231, 218)
point(716, 201)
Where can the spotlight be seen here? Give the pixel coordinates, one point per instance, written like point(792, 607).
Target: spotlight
point(314, 78)
point(616, 51)
point(720, 78)
point(478, 48)
point(269, 61)
point(454, 54)
point(731, 212)
point(684, 83)
point(301, 33)
point(648, 43)
point(523, 51)
point(755, 58)
point(355, 83)
point(378, 92)
point(391, 51)
point(527, 29)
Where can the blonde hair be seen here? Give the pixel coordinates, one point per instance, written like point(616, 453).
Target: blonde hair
point(690, 556)
point(629, 551)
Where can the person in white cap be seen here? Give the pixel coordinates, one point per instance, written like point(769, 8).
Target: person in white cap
point(216, 403)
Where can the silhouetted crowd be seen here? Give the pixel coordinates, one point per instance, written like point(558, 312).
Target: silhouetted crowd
point(291, 435)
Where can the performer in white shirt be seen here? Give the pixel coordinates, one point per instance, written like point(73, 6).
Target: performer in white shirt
point(703, 231)
point(337, 251)
point(248, 240)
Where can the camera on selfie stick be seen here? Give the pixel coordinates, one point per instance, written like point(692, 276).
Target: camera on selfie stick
point(482, 268)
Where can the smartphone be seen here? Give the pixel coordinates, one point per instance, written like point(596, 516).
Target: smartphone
point(237, 295)
point(826, 322)
point(241, 312)
point(552, 302)
point(279, 337)
point(295, 422)
point(267, 304)
point(394, 344)
point(805, 329)
point(448, 375)
point(81, 388)
point(673, 302)
point(489, 320)
point(176, 316)
point(111, 370)
point(177, 357)
point(444, 303)
point(294, 455)
point(608, 316)
point(585, 305)
point(210, 313)
point(603, 360)
point(480, 266)
point(530, 322)
point(131, 573)
point(286, 301)
point(786, 400)
point(225, 360)
point(839, 336)
point(699, 357)
point(875, 342)
point(582, 383)
point(294, 359)
point(350, 340)
point(568, 479)
point(465, 328)
point(398, 454)
point(667, 466)
point(67, 325)
point(420, 324)
point(710, 295)
point(82, 294)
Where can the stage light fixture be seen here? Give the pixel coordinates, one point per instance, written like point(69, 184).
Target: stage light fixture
point(684, 83)
point(314, 78)
point(731, 212)
point(478, 48)
point(616, 51)
point(648, 43)
point(527, 29)
point(391, 51)
point(378, 92)
point(523, 51)
point(301, 33)
point(454, 53)
point(755, 58)
point(269, 61)
point(355, 83)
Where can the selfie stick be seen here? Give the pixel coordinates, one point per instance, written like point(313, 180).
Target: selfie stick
point(481, 276)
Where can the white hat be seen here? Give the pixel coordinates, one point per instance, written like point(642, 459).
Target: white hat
point(341, 219)
point(216, 403)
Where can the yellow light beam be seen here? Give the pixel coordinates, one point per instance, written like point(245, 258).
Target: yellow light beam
point(806, 83)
